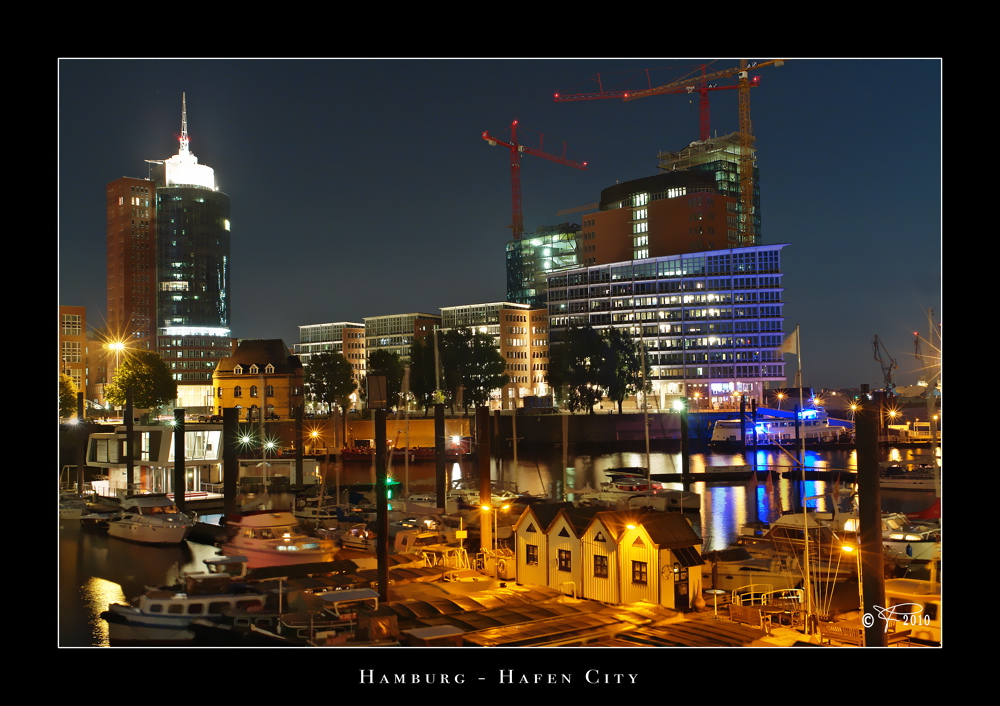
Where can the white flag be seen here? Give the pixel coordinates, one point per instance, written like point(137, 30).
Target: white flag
point(791, 344)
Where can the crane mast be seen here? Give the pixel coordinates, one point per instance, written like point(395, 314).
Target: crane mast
point(746, 236)
point(516, 150)
point(888, 364)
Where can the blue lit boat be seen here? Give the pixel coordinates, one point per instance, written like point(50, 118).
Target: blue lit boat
point(775, 428)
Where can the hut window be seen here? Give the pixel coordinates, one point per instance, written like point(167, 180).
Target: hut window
point(639, 572)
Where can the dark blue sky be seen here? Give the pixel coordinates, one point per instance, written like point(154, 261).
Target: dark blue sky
point(363, 188)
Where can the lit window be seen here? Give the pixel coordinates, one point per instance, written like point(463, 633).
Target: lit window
point(600, 567)
point(639, 572)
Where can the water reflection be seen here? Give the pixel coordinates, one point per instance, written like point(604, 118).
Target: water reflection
point(97, 594)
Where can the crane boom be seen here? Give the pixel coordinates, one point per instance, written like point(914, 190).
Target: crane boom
point(687, 85)
point(747, 236)
point(516, 150)
point(888, 364)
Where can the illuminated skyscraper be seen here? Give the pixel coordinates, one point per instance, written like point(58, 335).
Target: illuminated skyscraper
point(170, 247)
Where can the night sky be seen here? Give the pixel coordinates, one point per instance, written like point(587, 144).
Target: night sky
point(363, 187)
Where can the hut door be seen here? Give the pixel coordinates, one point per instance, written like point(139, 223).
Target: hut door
point(681, 594)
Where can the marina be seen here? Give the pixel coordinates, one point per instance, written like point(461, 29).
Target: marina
point(102, 570)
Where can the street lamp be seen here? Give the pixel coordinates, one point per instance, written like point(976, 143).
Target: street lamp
point(496, 511)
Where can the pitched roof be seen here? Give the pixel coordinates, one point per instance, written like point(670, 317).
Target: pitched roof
point(260, 352)
point(669, 530)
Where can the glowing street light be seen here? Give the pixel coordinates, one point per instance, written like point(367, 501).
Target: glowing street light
point(496, 512)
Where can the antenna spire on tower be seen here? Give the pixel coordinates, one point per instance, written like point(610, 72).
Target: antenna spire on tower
point(184, 125)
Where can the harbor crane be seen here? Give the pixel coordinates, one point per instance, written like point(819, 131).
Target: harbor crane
point(516, 150)
point(888, 364)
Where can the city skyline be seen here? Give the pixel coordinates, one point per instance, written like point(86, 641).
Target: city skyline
point(363, 188)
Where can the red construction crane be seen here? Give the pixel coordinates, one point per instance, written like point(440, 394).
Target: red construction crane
point(515, 169)
point(746, 132)
point(691, 85)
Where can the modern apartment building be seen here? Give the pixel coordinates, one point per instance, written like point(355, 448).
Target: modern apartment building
point(520, 334)
point(397, 332)
point(710, 322)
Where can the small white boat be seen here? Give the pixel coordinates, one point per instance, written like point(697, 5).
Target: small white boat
point(71, 506)
point(150, 518)
point(162, 616)
point(909, 476)
point(628, 488)
point(274, 538)
point(915, 604)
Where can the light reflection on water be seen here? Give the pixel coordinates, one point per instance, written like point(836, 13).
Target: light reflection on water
point(96, 570)
point(97, 595)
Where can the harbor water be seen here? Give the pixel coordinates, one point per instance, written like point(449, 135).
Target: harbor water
point(95, 570)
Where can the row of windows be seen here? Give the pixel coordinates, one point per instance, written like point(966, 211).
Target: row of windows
point(640, 569)
point(238, 391)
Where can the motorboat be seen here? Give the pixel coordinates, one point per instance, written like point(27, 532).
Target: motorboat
point(629, 488)
point(915, 604)
point(71, 506)
point(163, 616)
point(917, 540)
point(909, 476)
point(778, 428)
point(150, 518)
point(468, 496)
point(774, 555)
point(274, 538)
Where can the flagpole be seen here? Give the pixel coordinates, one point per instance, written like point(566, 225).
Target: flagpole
point(802, 465)
point(798, 423)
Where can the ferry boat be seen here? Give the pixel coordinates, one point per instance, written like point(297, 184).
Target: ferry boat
point(150, 518)
point(775, 428)
point(274, 538)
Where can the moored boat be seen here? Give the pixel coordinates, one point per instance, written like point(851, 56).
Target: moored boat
point(150, 518)
point(162, 616)
point(630, 488)
point(777, 428)
point(909, 476)
point(274, 538)
point(71, 506)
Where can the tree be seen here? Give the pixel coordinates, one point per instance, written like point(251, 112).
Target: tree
point(330, 378)
point(578, 366)
point(147, 376)
point(622, 375)
point(67, 396)
point(390, 365)
point(423, 380)
point(472, 362)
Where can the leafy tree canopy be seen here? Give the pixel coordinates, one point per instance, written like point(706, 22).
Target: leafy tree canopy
point(423, 380)
point(67, 396)
point(471, 362)
point(330, 378)
point(147, 376)
point(587, 365)
point(389, 364)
